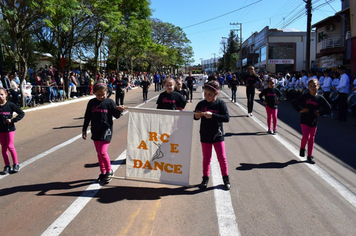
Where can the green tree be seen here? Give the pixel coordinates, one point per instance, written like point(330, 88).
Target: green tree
point(131, 41)
point(18, 20)
point(231, 54)
point(178, 51)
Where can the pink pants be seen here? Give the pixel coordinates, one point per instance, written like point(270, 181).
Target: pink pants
point(271, 114)
point(308, 137)
point(220, 153)
point(7, 144)
point(101, 148)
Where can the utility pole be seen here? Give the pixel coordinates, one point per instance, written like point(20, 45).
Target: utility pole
point(201, 64)
point(214, 61)
point(309, 19)
point(224, 51)
point(240, 29)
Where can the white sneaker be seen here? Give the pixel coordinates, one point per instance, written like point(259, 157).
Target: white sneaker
point(251, 114)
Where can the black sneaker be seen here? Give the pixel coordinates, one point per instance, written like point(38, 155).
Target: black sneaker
point(274, 131)
point(302, 152)
point(269, 132)
point(226, 182)
point(15, 168)
point(108, 175)
point(311, 159)
point(204, 183)
point(100, 178)
point(7, 170)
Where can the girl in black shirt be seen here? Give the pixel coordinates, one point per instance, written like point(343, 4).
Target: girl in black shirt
point(7, 131)
point(250, 82)
point(233, 86)
point(170, 100)
point(100, 112)
point(271, 97)
point(212, 112)
point(310, 105)
point(145, 84)
point(179, 88)
point(120, 85)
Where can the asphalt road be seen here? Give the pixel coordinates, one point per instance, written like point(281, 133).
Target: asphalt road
point(274, 192)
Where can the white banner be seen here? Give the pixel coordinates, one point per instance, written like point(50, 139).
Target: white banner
point(159, 145)
point(281, 61)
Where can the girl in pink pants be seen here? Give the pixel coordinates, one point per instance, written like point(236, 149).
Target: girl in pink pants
point(310, 105)
point(212, 112)
point(7, 132)
point(271, 97)
point(100, 112)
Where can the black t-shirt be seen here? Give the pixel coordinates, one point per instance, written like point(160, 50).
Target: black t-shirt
point(271, 96)
point(100, 114)
point(211, 130)
point(145, 85)
point(233, 84)
point(183, 92)
point(120, 85)
point(6, 112)
point(171, 101)
point(251, 80)
point(313, 103)
point(190, 80)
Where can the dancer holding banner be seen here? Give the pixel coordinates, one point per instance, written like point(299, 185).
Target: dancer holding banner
point(170, 100)
point(100, 111)
point(212, 112)
point(310, 105)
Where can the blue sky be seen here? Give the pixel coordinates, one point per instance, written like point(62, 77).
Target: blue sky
point(254, 15)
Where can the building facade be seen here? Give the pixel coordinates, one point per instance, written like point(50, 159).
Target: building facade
point(276, 50)
point(334, 39)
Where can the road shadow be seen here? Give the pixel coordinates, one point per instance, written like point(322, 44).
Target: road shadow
point(246, 134)
point(43, 188)
point(267, 165)
point(117, 162)
point(111, 194)
point(334, 138)
point(68, 127)
point(237, 116)
point(79, 118)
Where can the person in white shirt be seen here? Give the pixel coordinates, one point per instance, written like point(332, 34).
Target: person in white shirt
point(287, 76)
point(336, 80)
point(304, 80)
point(321, 77)
point(280, 80)
point(326, 87)
point(344, 88)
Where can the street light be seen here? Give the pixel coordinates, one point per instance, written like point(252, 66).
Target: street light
point(223, 42)
point(201, 63)
point(214, 61)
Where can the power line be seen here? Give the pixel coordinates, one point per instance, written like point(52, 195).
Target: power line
point(223, 14)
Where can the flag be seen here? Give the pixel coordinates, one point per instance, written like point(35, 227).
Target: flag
point(159, 145)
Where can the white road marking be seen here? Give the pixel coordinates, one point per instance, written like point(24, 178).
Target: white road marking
point(340, 188)
point(45, 153)
point(224, 209)
point(223, 203)
point(57, 227)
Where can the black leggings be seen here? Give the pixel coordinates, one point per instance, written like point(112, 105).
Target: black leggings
point(343, 106)
point(190, 87)
point(250, 94)
point(144, 91)
point(119, 98)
